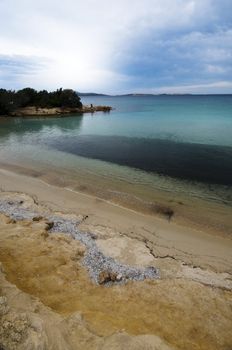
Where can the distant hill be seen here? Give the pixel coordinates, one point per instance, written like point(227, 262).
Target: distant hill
point(144, 95)
point(93, 94)
point(90, 94)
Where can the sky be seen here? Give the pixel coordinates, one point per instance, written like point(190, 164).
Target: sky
point(123, 46)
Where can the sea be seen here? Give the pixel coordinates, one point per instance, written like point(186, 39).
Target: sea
point(174, 144)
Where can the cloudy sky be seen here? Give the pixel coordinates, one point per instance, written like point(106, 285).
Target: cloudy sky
point(121, 46)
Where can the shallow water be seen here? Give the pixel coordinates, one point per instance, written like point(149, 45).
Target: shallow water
point(174, 143)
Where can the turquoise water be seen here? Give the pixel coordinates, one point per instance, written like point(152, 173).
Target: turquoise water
point(197, 119)
point(182, 137)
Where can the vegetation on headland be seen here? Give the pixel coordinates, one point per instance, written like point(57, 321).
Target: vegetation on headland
point(29, 102)
point(11, 101)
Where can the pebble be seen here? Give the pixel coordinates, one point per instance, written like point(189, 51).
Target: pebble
point(102, 269)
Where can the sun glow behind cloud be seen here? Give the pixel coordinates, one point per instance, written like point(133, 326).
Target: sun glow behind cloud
point(122, 46)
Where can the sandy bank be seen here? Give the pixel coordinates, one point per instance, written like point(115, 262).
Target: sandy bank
point(29, 318)
point(165, 238)
point(49, 300)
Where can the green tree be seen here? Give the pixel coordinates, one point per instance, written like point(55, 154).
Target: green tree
point(11, 100)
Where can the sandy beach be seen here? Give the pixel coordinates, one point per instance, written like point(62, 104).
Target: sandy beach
point(49, 299)
point(116, 175)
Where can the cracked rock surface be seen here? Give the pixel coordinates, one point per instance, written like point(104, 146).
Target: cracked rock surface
point(49, 301)
point(94, 259)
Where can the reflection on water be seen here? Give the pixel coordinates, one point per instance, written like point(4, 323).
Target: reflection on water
point(184, 137)
point(43, 126)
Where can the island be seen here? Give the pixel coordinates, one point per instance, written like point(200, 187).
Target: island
point(29, 102)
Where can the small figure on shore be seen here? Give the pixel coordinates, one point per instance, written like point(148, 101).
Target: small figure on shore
point(91, 106)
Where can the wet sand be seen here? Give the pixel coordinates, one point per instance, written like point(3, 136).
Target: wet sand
point(196, 246)
point(188, 307)
point(193, 205)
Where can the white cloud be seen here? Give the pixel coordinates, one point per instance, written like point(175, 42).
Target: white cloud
point(207, 88)
point(82, 40)
point(214, 69)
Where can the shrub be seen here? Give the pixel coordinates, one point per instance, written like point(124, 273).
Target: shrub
point(11, 100)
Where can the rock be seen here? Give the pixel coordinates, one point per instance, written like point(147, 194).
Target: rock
point(103, 277)
point(13, 329)
point(37, 218)
point(49, 225)
point(12, 221)
point(4, 308)
point(44, 234)
point(113, 276)
point(79, 253)
point(2, 268)
point(107, 276)
point(119, 277)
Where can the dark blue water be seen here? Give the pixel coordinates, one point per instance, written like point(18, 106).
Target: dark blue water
point(184, 137)
point(195, 162)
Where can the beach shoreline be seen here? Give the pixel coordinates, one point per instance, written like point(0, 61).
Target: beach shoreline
point(105, 213)
point(178, 202)
point(47, 292)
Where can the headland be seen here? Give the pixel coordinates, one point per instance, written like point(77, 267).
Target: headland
point(33, 111)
